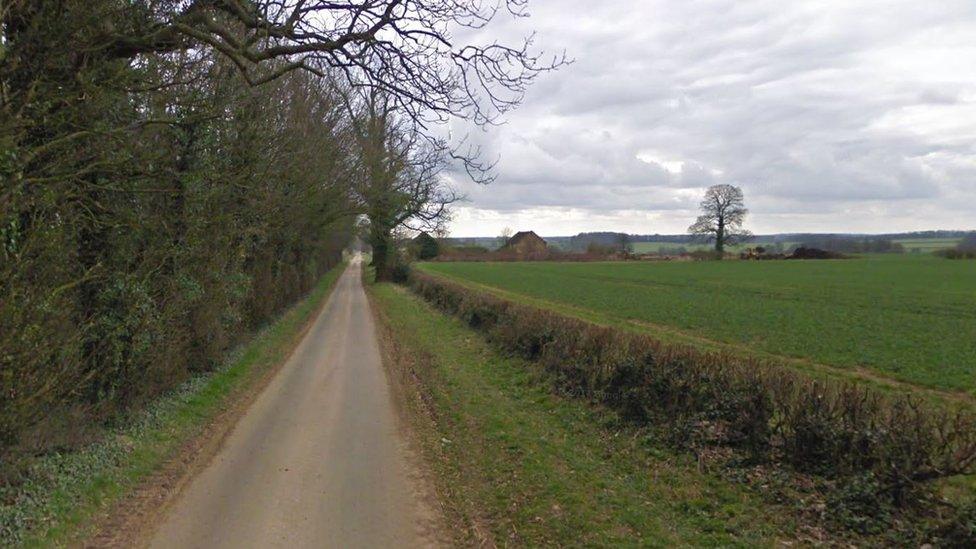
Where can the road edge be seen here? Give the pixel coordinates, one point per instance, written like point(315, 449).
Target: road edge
point(417, 416)
point(127, 519)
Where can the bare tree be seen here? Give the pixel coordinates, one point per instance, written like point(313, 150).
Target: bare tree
point(723, 214)
point(504, 236)
point(163, 201)
point(153, 191)
point(406, 48)
point(624, 244)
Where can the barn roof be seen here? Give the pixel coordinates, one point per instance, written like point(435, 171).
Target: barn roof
point(522, 235)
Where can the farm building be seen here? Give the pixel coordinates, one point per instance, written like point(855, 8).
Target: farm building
point(526, 243)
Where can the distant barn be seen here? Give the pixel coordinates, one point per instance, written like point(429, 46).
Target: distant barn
point(526, 243)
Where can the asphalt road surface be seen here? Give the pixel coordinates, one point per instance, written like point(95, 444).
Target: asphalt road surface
point(318, 459)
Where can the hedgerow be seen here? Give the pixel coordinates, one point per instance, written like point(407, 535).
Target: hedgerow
point(144, 233)
point(838, 430)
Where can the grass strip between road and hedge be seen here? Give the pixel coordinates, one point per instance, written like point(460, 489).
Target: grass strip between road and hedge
point(65, 492)
point(518, 465)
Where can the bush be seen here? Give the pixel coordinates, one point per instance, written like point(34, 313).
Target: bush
point(400, 272)
point(958, 253)
point(854, 505)
point(814, 253)
point(834, 429)
point(704, 255)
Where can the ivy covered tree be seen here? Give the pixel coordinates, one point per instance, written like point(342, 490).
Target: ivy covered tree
point(398, 183)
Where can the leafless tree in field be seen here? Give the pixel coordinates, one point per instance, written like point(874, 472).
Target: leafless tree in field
point(503, 236)
point(723, 214)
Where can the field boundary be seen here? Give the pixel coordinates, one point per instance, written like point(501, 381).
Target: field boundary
point(894, 450)
point(106, 494)
point(678, 336)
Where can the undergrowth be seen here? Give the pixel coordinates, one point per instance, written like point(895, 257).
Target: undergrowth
point(56, 494)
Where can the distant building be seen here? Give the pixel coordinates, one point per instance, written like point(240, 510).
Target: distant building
point(526, 243)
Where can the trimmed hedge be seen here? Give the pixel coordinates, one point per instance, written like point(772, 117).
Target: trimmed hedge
point(831, 428)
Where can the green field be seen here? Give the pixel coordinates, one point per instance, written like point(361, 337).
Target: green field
point(908, 318)
point(911, 245)
point(656, 247)
point(927, 245)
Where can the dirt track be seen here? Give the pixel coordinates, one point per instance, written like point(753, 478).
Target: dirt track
point(318, 460)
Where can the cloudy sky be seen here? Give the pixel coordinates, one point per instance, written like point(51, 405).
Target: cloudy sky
point(832, 116)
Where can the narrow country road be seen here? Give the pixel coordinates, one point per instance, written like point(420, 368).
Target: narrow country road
point(317, 461)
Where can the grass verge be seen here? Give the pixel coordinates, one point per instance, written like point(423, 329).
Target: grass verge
point(517, 465)
point(64, 493)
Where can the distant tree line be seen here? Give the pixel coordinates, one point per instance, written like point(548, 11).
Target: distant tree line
point(856, 245)
point(966, 249)
point(174, 173)
point(968, 242)
point(601, 242)
point(924, 234)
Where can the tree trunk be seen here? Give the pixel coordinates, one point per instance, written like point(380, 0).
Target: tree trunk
point(381, 256)
point(720, 240)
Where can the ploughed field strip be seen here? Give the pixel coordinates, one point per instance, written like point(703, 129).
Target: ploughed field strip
point(909, 318)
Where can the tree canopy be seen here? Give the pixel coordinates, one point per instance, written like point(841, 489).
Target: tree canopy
point(175, 172)
point(723, 215)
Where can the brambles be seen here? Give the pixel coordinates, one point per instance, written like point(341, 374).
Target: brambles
point(960, 529)
point(834, 429)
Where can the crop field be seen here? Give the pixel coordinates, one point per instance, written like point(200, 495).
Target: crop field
point(907, 318)
point(656, 247)
point(927, 245)
point(911, 245)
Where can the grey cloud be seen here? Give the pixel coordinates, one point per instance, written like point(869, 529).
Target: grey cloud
point(825, 107)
